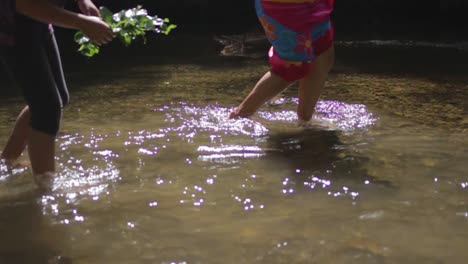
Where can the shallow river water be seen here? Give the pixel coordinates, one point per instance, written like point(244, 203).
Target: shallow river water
point(152, 171)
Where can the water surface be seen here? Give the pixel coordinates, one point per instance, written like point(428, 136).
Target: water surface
point(152, 171)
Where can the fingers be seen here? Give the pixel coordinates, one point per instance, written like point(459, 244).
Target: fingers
point(109, 35)
point(103, 38)
point(97, 30)
point(101, 33)
point(106, 35)
point(94, 12)
point(90, 11)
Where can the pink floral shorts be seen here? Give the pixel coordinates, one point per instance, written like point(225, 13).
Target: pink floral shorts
point(298, 33)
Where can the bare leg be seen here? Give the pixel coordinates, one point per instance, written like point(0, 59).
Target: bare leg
point(41, 149)
point(41, 146)
point(311, 86)
point(265, 89)
point(18, 139)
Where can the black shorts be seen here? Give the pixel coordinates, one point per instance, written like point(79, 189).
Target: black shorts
point(36, 67)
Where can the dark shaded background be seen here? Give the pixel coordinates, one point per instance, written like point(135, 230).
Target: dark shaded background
point(432, 19)
point(200, 21)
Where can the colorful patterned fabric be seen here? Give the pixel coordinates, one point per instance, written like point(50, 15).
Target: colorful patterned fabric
point(7, 23)
point(298, 32)
point(292, 1)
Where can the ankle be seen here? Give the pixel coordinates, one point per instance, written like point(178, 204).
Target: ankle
point(44, 180)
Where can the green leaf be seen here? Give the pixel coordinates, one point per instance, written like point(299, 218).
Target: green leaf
point(126, 39)
point(78, 36)
point(89, 50)
point(106, 14)
point(168, 29)
point(127, 25)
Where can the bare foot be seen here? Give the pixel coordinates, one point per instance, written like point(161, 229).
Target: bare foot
point(22, 163)
point(45, 180)
point(240, 112)
point(15, 163)
point(6, 164)
point(234, 114)
point(317, 124)
point(277, 100)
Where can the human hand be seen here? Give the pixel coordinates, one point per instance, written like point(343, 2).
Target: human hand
point(88, 8)
point(96, 29)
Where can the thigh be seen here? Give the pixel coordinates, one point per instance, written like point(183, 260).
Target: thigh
point(52, 50)
point(29, 62)
point(322, 35)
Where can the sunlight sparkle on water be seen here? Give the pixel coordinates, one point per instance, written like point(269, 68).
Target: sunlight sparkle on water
point(343, 115)
point(90, 181)
point(193, 195)
point(192, 120)
point(223, 153)
point(247, 203)
point(148, 152)
point(106, 153)
point(7, 171)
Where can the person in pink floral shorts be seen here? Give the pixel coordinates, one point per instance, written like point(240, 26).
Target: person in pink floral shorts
point(301, 36)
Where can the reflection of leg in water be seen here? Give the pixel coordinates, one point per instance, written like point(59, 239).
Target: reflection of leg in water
point(26, 235)
point(309, 150)
point(320, 153)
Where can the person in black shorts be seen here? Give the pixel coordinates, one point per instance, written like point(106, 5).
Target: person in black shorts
point(30, 52)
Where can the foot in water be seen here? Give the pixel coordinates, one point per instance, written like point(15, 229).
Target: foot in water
point(317, 124)
point(9, 165)
point(6, 166)
point(45, 180)
point(277, 100)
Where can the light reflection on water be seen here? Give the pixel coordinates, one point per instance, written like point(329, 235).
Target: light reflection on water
point(150, 181)
point(333, 114)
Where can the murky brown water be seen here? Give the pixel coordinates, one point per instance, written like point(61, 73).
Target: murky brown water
point(153, 172)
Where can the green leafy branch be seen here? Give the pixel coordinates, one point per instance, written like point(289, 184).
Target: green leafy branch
point(128, 25)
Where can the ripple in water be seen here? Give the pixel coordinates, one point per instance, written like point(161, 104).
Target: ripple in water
point(208, 126)
point(90, 181)
point(6, 171)
point(338, 115)
point(78, 179)
point(190, 122)
point(210, 118)
point(84, 177)
point(224, 153)
point(330, 115)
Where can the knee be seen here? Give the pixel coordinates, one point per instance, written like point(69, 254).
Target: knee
point(46, 118)
point(327, 59)
point(65, 100)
